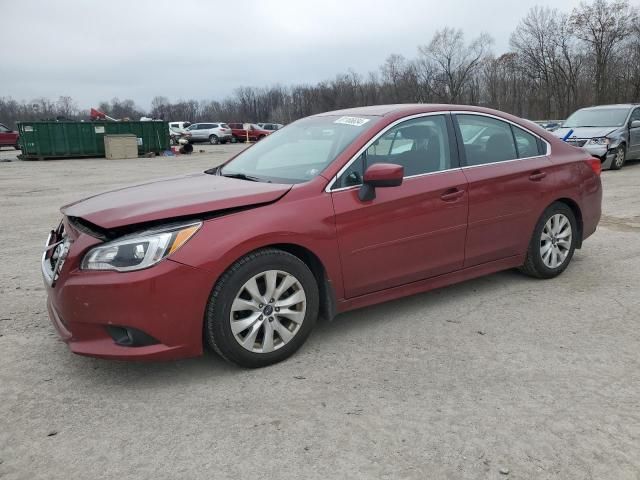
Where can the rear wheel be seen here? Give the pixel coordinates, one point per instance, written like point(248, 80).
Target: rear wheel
point(213, 140)
point(262, 309)
point(619, 158)
point(553, 242)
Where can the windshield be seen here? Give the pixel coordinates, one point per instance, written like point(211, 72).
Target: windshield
point(597, 117)
point(298, 152)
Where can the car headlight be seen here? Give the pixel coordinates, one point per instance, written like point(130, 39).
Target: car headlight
point(139, 250)
point(598, 141)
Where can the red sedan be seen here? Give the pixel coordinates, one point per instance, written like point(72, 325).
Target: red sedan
point(248, 131)
point(8, 137)
point(333, 212)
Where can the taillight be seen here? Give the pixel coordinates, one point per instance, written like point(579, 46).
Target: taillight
point(596, 165)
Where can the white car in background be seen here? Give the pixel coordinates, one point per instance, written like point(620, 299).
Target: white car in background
point(214, 133)
point(179, 125)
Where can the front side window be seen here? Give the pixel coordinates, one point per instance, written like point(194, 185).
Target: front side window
point(635, 116)
point(299, 152)
point(193, 127)
point(420, 145)
point(486, 140)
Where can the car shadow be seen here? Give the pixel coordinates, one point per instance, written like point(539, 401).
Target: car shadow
point(124, 374)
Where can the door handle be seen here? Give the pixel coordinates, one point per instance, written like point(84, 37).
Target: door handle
point(452, 195)
point(537, 176)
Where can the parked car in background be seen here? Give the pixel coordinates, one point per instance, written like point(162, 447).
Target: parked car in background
point(179, 125)
point(214, 133)
point(609, 132)
point(550, 125)
point(253, 133)
point(272, 127)
point(8, 137)
point(337, 211)
point(176, 134)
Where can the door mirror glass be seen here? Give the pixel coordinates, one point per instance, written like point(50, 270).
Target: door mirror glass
point(380, 175)
point(635, 124)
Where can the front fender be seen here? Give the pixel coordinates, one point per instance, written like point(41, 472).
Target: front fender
point(296, 220)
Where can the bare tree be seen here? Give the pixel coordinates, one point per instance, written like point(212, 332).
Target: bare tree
point(456, 62)
point(603, 26)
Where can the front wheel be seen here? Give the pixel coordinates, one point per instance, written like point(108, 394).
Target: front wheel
point(553, 243)
point(262, 309)
point(619, 158)
point(213, 140)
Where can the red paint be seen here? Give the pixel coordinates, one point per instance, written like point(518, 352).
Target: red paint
point(431, 231)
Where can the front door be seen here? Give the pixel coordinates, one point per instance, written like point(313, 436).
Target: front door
point(410, 232)
point(633, 151)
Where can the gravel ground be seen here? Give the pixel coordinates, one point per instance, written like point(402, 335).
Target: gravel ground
point(500, 377)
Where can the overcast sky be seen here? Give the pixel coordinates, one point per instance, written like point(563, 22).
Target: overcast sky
point(201, 49)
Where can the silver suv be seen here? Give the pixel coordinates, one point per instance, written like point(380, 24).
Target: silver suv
point(213, 133)
point(609, 132)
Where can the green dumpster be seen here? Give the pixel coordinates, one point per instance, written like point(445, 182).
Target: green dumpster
point(40, 140)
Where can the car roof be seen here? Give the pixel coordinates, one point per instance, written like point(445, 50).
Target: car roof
point(407, 108)
point(615, 105)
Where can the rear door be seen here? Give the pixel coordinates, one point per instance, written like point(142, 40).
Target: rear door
point(506, 167)
point(410, 232)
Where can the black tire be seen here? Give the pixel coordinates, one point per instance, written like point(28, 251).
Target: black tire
point(172, 141)
point(619, 158)
point(217, 328)
point(213, 140)
point(534, 266)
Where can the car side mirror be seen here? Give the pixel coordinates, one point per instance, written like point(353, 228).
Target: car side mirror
point(635, 124)
point(380, 175)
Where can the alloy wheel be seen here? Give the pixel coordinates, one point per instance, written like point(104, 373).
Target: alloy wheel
point(555, 241)
point(619, 158)
point(268, 311)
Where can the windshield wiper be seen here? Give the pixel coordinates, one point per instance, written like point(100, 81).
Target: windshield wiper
point(242, 176)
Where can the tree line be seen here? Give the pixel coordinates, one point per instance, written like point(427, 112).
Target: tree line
point(557, 62)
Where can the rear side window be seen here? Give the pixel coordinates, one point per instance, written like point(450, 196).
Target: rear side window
point(527, 145)
point(489, 140)
point(214, 125)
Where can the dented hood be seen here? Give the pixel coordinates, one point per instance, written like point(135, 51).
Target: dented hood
point(172, 197)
